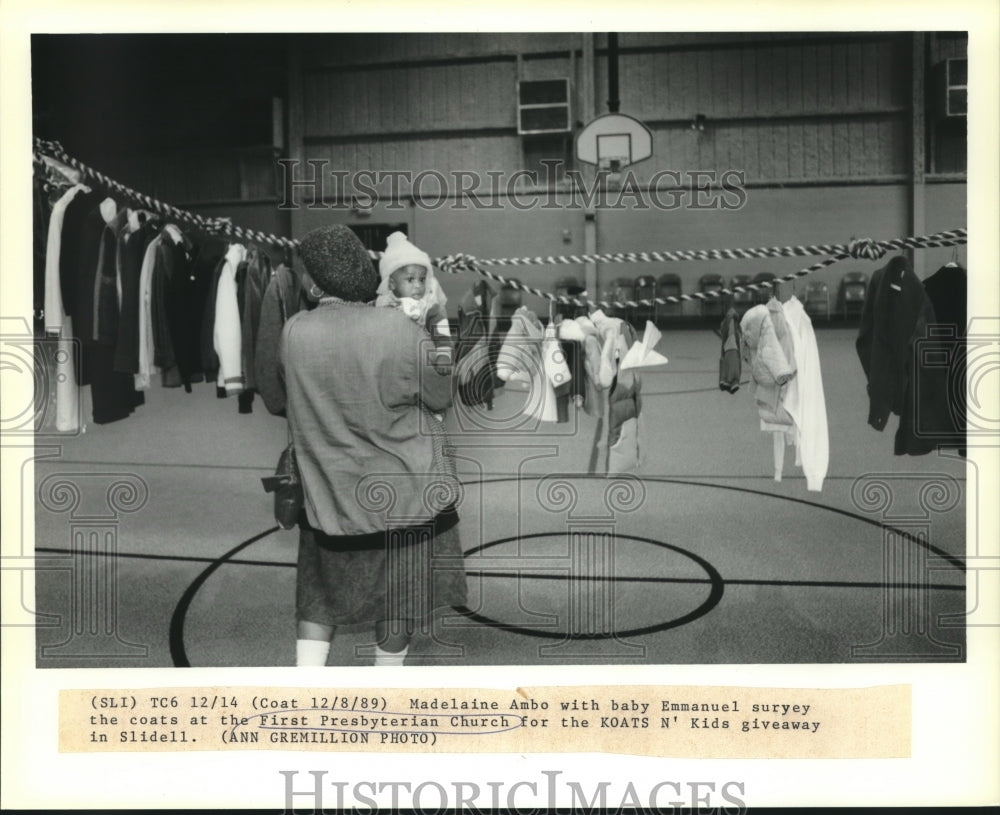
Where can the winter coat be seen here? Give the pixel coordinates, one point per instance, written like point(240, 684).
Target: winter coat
point(770, 367)
point(893, 346)
point(947, 289)
point(283, 298)
point(356, 384)
point(256, 274)
point(127, 341)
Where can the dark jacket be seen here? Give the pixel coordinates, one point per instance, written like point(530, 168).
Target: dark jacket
point(71, 247)
point(127, 342)
point(105, 316)
point(893, 347)
point(178, 297)
point(947, 289)
point(81, 236)
point(730, 368)
point(253, 277)
point(209, 262)
point(475, 371)
point(283, 298)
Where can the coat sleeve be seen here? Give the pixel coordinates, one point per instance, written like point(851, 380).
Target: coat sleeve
point(431, 388)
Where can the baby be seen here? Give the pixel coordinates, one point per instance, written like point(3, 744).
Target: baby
point(408, 283)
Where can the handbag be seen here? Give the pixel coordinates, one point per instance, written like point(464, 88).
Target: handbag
point(287, 488)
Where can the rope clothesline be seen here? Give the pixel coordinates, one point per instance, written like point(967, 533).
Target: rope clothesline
point(458, 263)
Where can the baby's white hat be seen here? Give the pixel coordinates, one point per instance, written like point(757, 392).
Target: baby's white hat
point(400, 252)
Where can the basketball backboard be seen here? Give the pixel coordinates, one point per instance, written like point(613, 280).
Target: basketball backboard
point(614, 141)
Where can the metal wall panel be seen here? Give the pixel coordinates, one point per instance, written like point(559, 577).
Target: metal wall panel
point(342, 103)
point(782, 108)
point(372, 49)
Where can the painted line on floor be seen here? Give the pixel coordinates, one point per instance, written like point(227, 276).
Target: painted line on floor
point(178, 558)
point(833, 584)
point(715, 580)
point(532, 575)
point(180, 465)
point(952, 560)
point(242, 468)
point(177, 652)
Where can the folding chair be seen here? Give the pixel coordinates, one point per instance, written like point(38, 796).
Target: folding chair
point(645, 289)
point(817, 299)
point(622, 289)
point(668, 285)
point(742, 300)
point(711, 307)
point(569, 287)
point(853, 289)
point(764, 294)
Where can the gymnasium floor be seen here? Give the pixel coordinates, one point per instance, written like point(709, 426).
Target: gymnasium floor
point(712, 560)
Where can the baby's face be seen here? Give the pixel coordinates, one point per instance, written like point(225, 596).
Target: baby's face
point(409, 281)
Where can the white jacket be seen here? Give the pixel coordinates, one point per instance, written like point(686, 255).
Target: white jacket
point(806, 402)
point(147, 348)
point(54, 311)
point(227, 334)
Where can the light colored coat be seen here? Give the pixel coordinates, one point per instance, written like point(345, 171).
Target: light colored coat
point(770, 367)
point(806, 403)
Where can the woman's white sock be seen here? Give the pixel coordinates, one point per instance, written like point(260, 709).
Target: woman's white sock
point(390, 658)
point(311, 653)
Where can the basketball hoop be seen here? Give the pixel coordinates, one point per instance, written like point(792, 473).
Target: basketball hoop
point(613, 142)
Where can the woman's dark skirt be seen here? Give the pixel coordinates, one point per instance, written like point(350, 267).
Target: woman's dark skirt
point(400, 574)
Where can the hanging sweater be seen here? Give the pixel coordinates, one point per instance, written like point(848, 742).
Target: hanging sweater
point(806, 402)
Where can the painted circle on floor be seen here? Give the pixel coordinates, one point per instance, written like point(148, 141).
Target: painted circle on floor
point(581, 581)
point(701, 571)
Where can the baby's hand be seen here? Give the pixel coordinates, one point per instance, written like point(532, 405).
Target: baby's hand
point(410, 307)
point(442, 361)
